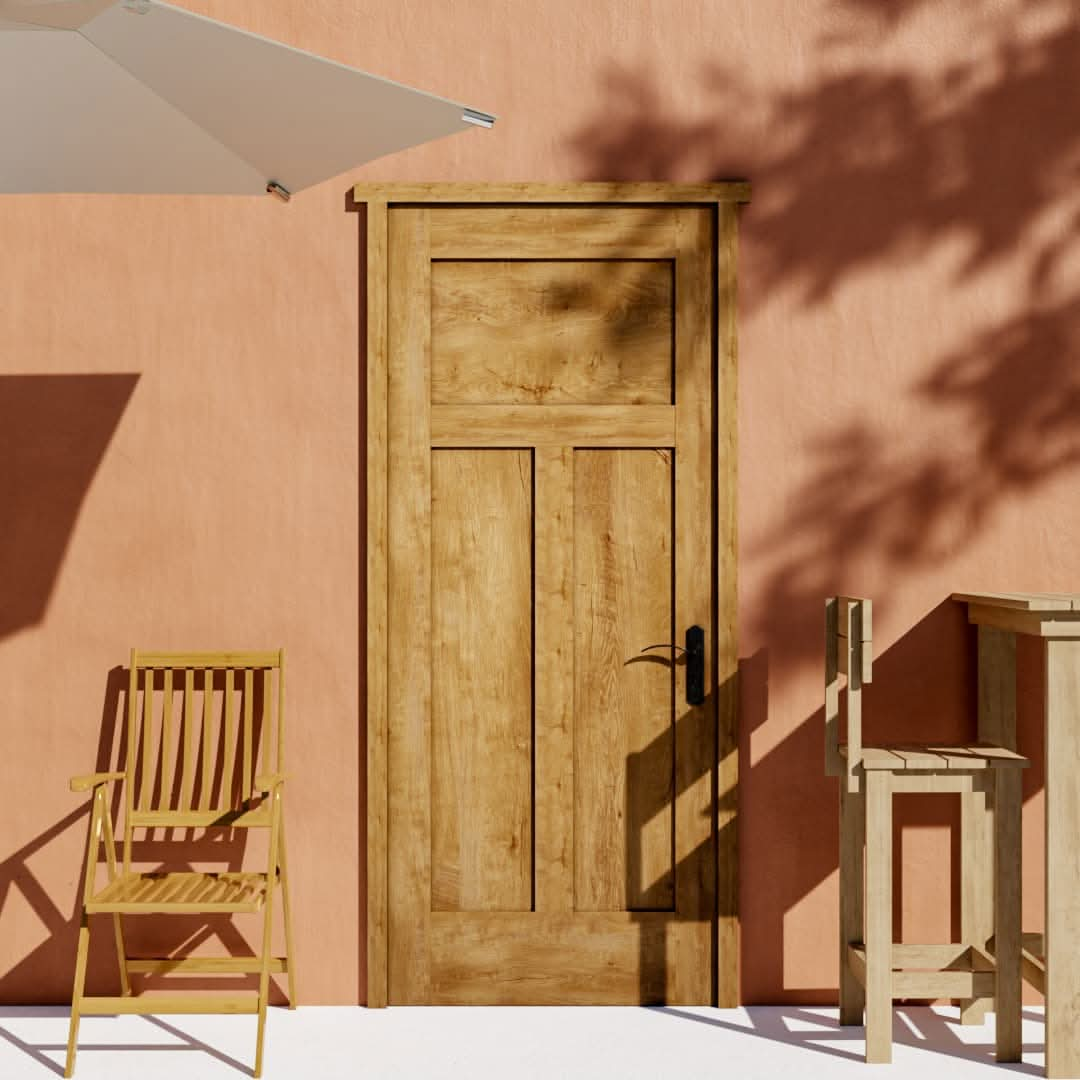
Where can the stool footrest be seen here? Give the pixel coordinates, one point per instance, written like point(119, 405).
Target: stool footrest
point(933, 971)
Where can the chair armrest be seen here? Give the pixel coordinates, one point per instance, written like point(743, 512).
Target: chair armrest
point(268, 781)
point(93, 780)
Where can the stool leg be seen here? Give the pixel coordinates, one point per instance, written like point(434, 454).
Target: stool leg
point(852, 836)
point(878, 917)
point(1007, 914)
point(976, 884)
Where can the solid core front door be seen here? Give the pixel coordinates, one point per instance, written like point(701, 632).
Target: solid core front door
point(551, 746)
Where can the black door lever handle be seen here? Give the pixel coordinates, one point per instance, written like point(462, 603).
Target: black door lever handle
point(695, 663)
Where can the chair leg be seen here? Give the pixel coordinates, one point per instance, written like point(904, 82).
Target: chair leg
point(121, 956)
point(852, 836)
point(118, 929)
point(77, 993)
point(878, 917)
point(976, 884)
point(290, 957)
point(1007, 914)
point(264, 983)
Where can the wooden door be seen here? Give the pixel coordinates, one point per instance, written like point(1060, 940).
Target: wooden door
point(552, 482)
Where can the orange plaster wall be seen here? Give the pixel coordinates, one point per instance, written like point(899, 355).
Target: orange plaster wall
point(908, 413)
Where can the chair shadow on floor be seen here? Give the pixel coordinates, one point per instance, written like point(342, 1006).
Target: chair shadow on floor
point(38, 1051)
point(919, 1027)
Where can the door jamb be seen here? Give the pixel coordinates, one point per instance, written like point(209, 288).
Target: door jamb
point(724, 198)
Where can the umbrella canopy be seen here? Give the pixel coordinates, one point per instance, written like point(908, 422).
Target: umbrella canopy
point(140, 96)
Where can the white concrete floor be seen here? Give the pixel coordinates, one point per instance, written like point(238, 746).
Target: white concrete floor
point(799, 1043)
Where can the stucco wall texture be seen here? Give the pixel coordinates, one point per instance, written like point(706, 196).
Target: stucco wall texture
point(180, 403)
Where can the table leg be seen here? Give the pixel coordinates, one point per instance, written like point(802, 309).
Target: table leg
point(997, 724)
point(1063, 858)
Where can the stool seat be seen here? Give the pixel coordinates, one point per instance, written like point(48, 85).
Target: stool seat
point(937, 758)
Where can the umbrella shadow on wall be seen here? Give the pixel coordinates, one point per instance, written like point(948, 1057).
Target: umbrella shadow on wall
point(54, 431)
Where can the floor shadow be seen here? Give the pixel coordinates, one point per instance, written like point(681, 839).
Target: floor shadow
point(185, 1041)
point(923, 1028)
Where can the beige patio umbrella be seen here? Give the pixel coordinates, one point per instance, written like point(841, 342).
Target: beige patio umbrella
point(140, 96)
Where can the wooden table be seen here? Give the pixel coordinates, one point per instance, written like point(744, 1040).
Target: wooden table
point(1052, 960)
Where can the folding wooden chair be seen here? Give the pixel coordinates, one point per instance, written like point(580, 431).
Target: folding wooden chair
point(983, 969)
point(187, 768)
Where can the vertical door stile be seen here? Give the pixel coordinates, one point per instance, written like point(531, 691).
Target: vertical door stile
point(409, 645)
point(553, 709)
point(376, 610)
point(695, 865)
point(726, 428)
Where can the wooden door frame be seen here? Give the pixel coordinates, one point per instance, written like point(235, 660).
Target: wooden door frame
point(724, 199)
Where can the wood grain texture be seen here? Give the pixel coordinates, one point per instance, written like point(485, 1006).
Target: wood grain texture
point(725, 488)
point(571, 958)
point(1062, 859)
point(678, 964)
point(576, 192)
point(481, 680)
point(376, 584)
point(1007, 914)
point(409, 636)
point(551, 333)
point(1022, 601)
point(879, 924)
point(623, 737)
point(977, 884)
point(939, 758)
point(201, 777)
point(548, 232)
point(554, 678)
point(552, 425)
point(697, 761)
point(1055, 623)
point(997, 686)
point(852, 841)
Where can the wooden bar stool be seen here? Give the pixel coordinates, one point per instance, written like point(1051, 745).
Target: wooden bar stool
point(982, 970)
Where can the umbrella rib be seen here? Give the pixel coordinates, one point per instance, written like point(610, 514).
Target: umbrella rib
point(175, 108)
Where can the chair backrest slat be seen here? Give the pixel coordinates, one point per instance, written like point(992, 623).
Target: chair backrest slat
point(129, 755)
point(227, 786)
point(849, 652)
point(188, 777)
point(207, 739)
point(279, 761)
point(167, 771)
point(249, 689)
point(147, 741)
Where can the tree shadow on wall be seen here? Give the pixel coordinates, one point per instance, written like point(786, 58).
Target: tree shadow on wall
point(879, 167)
point(872, 164)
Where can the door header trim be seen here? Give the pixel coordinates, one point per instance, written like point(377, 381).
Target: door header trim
point(723, 191)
